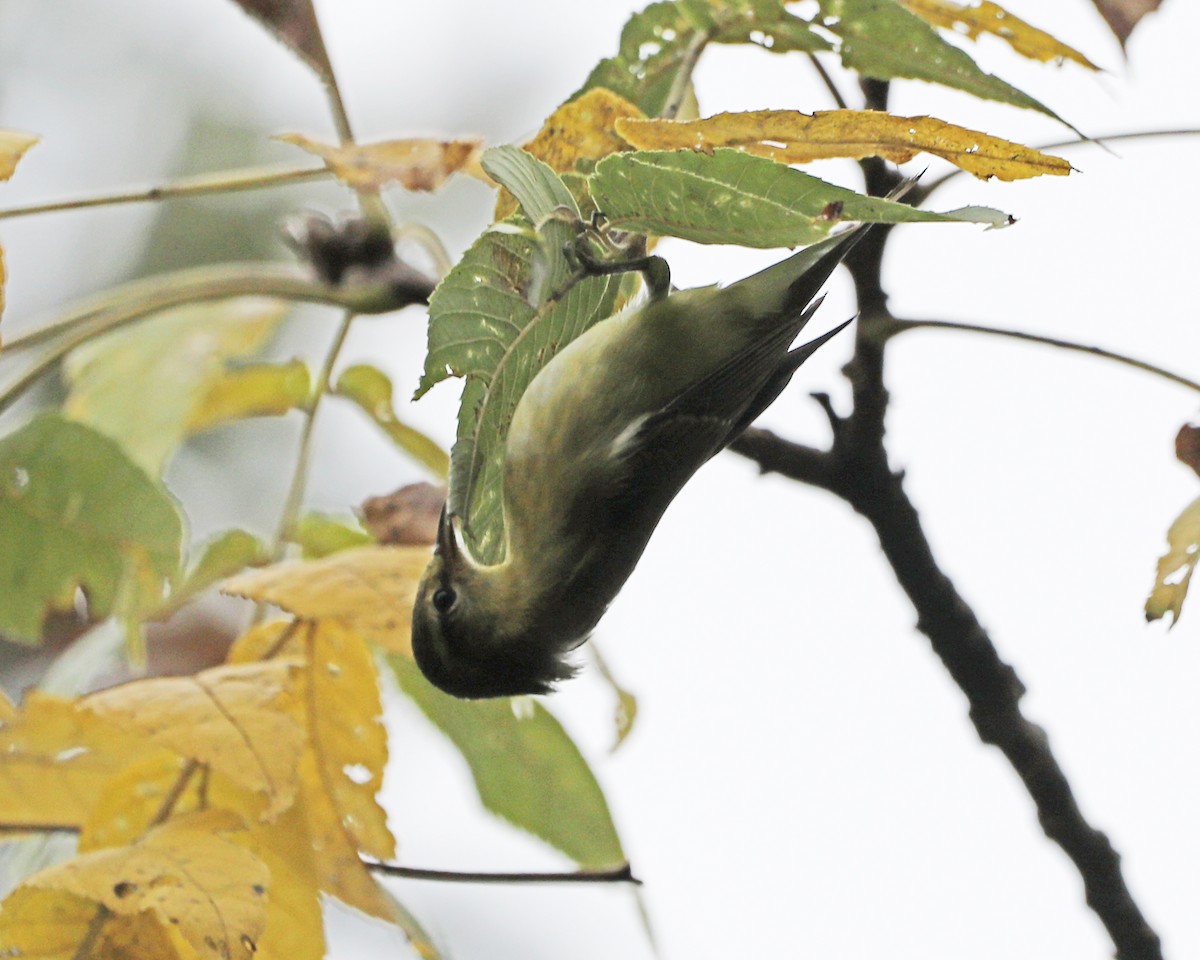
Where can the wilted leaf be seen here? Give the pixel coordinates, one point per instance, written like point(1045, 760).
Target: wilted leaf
point(1123, 15)
point(408, 516)
point(414, 164)
point(13, 144)
point(988, 17)
point(789, 136)
point(881, 39)
point(320, 535)
point(526, 769)
point(370, 388)
point(56, 758)
point(1175, 568)
point(83, 515)
point(369, 590)
point(294, 24)
point(186, 874)
point(255, 390)
point(144, 384)
point(1187, 446)
point(243, 720)
point(732, 197)
point(581, 129)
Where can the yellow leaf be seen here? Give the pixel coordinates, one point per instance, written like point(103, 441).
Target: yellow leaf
point(789, 136)
point(187, 874)
point(419, 164)
point(344, 710)
point(581, 129)
point(55, 760)
point(243, 720)
point(254, 390)
point(8, 710)
point(1176, 566)
point(13, 144)
point(987, 17)
point(313, 822)
point(132, 800)
point(52, 925)
point(369, 590)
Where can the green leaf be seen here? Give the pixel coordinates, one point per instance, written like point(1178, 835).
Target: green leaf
point(319, 535)
point(881, 39)
point(141, 385)
point(222, 556)
point(526, 769)
point(370, 388)
point(656, 46)
point(75, 511)
point(482, 327)
point(548, 205)
point(733, 197)
point(659, 46)
point(253, 390)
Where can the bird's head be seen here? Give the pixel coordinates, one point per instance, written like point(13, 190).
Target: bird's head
point(470, 634)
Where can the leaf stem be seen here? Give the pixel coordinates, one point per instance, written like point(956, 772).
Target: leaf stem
point(137, 300)
point(618, 874)
point(895, 327)
point(828, 81)
point(295, 495)
point(252, 178)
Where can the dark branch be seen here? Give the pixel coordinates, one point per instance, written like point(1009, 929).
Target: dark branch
point(618, 874)
point(856, 469)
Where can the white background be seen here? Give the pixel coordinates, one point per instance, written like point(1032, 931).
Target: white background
point(803, 780)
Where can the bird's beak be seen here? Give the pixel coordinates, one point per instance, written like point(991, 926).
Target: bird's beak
point(447, 544)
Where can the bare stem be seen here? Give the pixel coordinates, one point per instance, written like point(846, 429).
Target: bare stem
point(687, 66)
point(135, 301)
point(828, 81)
point(254, 178)
point(619, 874)
point(295, 496)
point(899, 326)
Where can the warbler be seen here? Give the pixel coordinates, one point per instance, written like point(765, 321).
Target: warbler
point(603, 438)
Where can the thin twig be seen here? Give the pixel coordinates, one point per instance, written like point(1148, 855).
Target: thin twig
point(899, 326)
point(687, 66)
point(167, 807)
point(828, 81)
point(620, 874)
point(255, 178)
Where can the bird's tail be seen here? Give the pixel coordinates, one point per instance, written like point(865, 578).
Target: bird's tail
point(791, 284)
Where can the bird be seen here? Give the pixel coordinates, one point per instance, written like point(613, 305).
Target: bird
point(601, 441)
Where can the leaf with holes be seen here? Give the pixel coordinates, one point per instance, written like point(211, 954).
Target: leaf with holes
point(732, 197)
point(789, 136)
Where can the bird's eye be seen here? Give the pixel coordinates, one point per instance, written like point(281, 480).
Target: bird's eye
point(443, 599)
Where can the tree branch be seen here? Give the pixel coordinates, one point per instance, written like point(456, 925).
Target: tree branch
point(856, 469)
